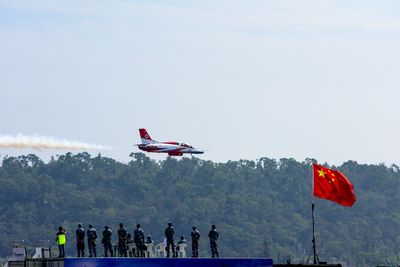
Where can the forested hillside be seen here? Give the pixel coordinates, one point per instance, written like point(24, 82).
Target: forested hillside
point(261, 208)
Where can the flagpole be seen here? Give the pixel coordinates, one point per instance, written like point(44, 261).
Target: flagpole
point(316, 260)
point(313, 221)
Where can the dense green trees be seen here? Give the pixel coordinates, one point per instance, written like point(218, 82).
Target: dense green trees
point(262, 208)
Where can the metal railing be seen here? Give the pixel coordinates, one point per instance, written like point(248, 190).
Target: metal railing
point(53, 262)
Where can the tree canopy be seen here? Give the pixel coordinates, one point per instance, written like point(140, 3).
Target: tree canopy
point(261, 208)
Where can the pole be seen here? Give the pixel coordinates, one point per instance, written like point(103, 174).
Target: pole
point(316, 260)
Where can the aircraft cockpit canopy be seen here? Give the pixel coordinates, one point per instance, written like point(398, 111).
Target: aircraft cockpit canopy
point(186, 145)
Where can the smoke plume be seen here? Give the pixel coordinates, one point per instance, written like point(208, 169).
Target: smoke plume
point(45, 142)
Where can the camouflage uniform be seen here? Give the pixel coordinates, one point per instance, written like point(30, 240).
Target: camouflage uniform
point(138, 238)
point(169, 234)
point(122, 237)
point(80, 241)
point(213, 235)
point(195, 242)
point(91, 236)
point(107, 233)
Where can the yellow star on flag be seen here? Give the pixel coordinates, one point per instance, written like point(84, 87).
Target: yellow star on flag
point(321, 173)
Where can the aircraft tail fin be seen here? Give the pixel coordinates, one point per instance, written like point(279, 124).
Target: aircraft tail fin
point(145, 137)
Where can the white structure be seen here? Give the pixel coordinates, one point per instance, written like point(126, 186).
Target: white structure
point(181, 251)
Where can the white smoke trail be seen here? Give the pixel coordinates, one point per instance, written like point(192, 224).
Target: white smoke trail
point(45, 142)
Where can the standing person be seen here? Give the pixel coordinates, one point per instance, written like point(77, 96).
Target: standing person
point(122, 237)
point(213, 235)
point(138, 238)
point(169, 235)
point(106, 240)
point(80, 240)
point(91, 237)
point(195, 242)
point(61, 240)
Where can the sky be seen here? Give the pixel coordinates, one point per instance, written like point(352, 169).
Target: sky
point(239, 79)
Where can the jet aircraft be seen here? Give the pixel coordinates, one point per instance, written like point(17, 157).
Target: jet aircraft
point(172, 148)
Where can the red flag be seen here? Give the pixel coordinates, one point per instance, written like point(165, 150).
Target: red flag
point(332, 185)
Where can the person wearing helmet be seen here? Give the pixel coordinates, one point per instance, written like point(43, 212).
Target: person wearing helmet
point(195, 242)
point(91, 238)
point(80, 240)
point(138, 238)
point(213, 235)
point(122, 237)
point(169, 235)
point(106, 240)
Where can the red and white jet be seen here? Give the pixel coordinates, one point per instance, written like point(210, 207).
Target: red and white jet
point(172, 148)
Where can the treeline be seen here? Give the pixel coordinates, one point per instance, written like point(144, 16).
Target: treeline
point(261, 208)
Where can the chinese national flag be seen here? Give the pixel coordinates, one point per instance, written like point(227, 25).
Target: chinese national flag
point(332, 185)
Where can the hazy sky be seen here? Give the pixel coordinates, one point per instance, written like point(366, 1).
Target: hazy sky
point(240, 79)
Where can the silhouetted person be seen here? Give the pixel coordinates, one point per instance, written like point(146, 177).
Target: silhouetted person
point(169, 235)
point(106, 240)
point(122, 237)
point(92, 236)
point(213, 235)
point(138, 238)
point(195, 242)
point(80, 240)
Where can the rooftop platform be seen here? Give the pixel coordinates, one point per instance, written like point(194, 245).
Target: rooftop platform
point(167, 262)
